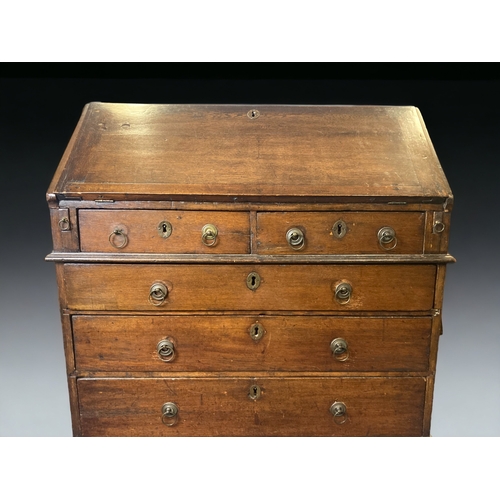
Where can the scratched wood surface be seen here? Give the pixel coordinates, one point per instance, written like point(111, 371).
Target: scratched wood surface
point(254, 172)
point(224, 287)
point(141, 229)
point(123, 150)
point(224, 343)
point(377, 406)
point(321, 231)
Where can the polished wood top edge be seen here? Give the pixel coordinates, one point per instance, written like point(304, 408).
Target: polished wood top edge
point(87, 375)
point(149, 258)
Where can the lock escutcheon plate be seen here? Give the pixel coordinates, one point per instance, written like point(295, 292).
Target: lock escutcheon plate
point(253, 280)
point(254, 392)
point(164, 229)
point(256, 331)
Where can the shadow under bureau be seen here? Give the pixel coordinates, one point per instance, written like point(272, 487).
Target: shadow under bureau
point(229, 270)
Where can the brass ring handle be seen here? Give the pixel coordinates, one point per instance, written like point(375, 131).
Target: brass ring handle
point(343, 292)
point(157, 294)
point(169, 414)
point(340, 349)
point(64, 224)
point(339, 412)
point(209, 235)
point(295, 238)
point(387, 238)
point(165, 350)
point(118, 233)
point(438, 227)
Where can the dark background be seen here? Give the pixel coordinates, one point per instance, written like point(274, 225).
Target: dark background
point(40, 106)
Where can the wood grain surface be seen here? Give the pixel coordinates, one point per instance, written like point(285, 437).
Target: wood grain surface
point(376, 406)
point(360, 236)
point(224, 287)
point(122, 151)
point(141, 228)
point(223, 343)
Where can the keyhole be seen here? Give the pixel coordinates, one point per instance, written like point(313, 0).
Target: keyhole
point(256, 331)
point(254, 392)
point(164, 228)
point(253, 280)
point(339, 229)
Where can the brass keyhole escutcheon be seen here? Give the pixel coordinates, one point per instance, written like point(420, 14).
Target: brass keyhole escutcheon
point(256, 331)
point(254, 392)
point(339, 229)
point(253, 280)
point(164, 229)
point(253, 114)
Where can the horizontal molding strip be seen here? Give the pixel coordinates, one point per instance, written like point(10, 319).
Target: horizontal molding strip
point(145, 258)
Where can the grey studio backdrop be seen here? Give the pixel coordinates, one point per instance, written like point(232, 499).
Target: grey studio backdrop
point(37, 117)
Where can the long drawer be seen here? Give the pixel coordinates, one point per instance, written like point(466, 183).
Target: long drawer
point(246, 343)
point(287, 406)
point(164, 287)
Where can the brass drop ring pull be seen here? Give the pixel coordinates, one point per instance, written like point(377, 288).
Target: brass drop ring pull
point(166, 350)
point(343, 292)
point(339, 412)
point(209, 235)
point(387, 238)
point(169, 414)
point(157, 294)
point(64, 224)
point(118, 238)
point(295, 238)
point(340, 349)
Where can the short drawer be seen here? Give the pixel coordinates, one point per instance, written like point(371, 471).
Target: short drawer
point(251, 343)
point(263, 287)
point(268, 406)
point(164, 231)
point(340, 232)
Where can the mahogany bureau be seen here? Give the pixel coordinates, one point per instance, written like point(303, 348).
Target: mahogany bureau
point(230, 270)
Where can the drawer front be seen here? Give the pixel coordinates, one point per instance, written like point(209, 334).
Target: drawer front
point(164, 231)
point(226, 287)
point(340, 232)
point(288, 406)
point(250, 343)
